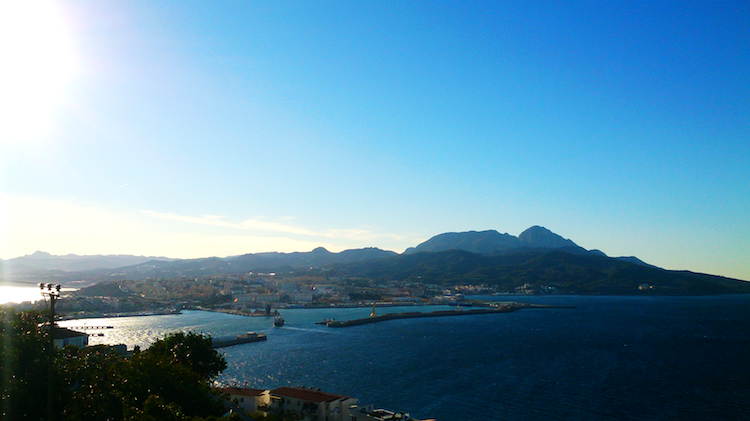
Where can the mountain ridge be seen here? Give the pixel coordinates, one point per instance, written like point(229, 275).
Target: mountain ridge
point(491, 241)
point(536, 256)
point(41, 261)
point(567, 273)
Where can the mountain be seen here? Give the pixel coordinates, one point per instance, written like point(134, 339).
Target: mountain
point(492, 242)
point(474, 241)
point(570, 273)
point(253, 262)
point(40, 261)
point(537, 258)
point(540, 237)
point(634, 260)
point(44, 266)
point(319, 257)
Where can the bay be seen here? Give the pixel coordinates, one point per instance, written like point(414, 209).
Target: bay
point(647, 358)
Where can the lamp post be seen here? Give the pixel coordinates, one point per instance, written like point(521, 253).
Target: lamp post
point(53, 292)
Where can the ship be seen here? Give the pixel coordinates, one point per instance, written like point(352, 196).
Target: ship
point(239, 339)
point(279, 321)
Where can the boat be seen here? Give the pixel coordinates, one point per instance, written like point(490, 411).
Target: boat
point(279, 321)
point(239, 339)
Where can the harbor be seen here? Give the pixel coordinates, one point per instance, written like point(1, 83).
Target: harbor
point(600, 356)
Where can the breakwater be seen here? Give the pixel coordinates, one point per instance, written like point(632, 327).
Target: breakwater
point(505, 308)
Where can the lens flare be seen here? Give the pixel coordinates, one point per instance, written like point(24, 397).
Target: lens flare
point(37, 65)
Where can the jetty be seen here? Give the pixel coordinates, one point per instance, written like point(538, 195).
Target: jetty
point(505, 308)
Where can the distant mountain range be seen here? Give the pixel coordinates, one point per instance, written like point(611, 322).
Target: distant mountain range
point(94, 268)
point(40, 262)
point(536, 258)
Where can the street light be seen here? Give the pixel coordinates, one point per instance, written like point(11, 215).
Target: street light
point(53, 292)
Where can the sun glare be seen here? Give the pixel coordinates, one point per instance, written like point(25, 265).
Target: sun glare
point(36, 66)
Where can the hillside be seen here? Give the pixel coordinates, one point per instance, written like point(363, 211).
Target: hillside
point(571, 273)
point(40, 261)
point(536, 258)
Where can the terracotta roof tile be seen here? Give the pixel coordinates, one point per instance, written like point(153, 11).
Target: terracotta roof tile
point(310, 395)
point(242, 391)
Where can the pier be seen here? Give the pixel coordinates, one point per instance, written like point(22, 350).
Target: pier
point(84, 327)
point(506, 308)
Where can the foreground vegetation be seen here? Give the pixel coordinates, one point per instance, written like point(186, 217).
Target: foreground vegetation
point(168, 381)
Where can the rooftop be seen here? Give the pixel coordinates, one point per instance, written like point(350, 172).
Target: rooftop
point(242, 391)
point(310, 395)
point(63, 333)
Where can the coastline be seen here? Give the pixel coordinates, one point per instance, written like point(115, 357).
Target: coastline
point(69, 317)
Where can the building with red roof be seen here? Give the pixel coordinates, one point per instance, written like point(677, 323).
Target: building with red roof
point(311, 404)
point(249, 400)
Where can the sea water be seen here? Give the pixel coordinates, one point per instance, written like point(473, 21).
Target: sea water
point(19, 294)
point(652, 358)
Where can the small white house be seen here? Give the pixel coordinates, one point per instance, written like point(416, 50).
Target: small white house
point(63, 337)
point(249, 400)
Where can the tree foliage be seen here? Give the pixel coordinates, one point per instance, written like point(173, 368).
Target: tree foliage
point(24, 366)
point(190, 350)
point(169, 381)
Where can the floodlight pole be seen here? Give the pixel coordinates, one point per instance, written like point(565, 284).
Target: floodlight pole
point(53, 292)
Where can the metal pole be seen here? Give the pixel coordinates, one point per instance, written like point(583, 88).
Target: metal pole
point(53, 292)
point(50, 388)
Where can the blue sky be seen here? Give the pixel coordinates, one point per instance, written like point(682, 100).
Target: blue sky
point(194, 129)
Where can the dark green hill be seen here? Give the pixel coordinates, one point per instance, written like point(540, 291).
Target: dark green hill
point(580, 273)
point(104, 289)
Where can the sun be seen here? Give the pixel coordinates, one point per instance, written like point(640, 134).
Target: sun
point(36, 66)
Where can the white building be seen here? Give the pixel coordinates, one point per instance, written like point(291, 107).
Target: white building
point(249, 400)
point(62, 337)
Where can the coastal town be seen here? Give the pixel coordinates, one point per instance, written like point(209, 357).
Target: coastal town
point(239, 402)
point(243, 403)
point(258, 294)
point(263, 295)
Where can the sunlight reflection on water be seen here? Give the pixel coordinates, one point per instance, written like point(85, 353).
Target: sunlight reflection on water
point(13, 294)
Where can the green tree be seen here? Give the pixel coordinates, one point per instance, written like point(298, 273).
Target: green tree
point(24, 367)
point(93, 378)
point(173, 380)
point(169, 381)
point(190, 350)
